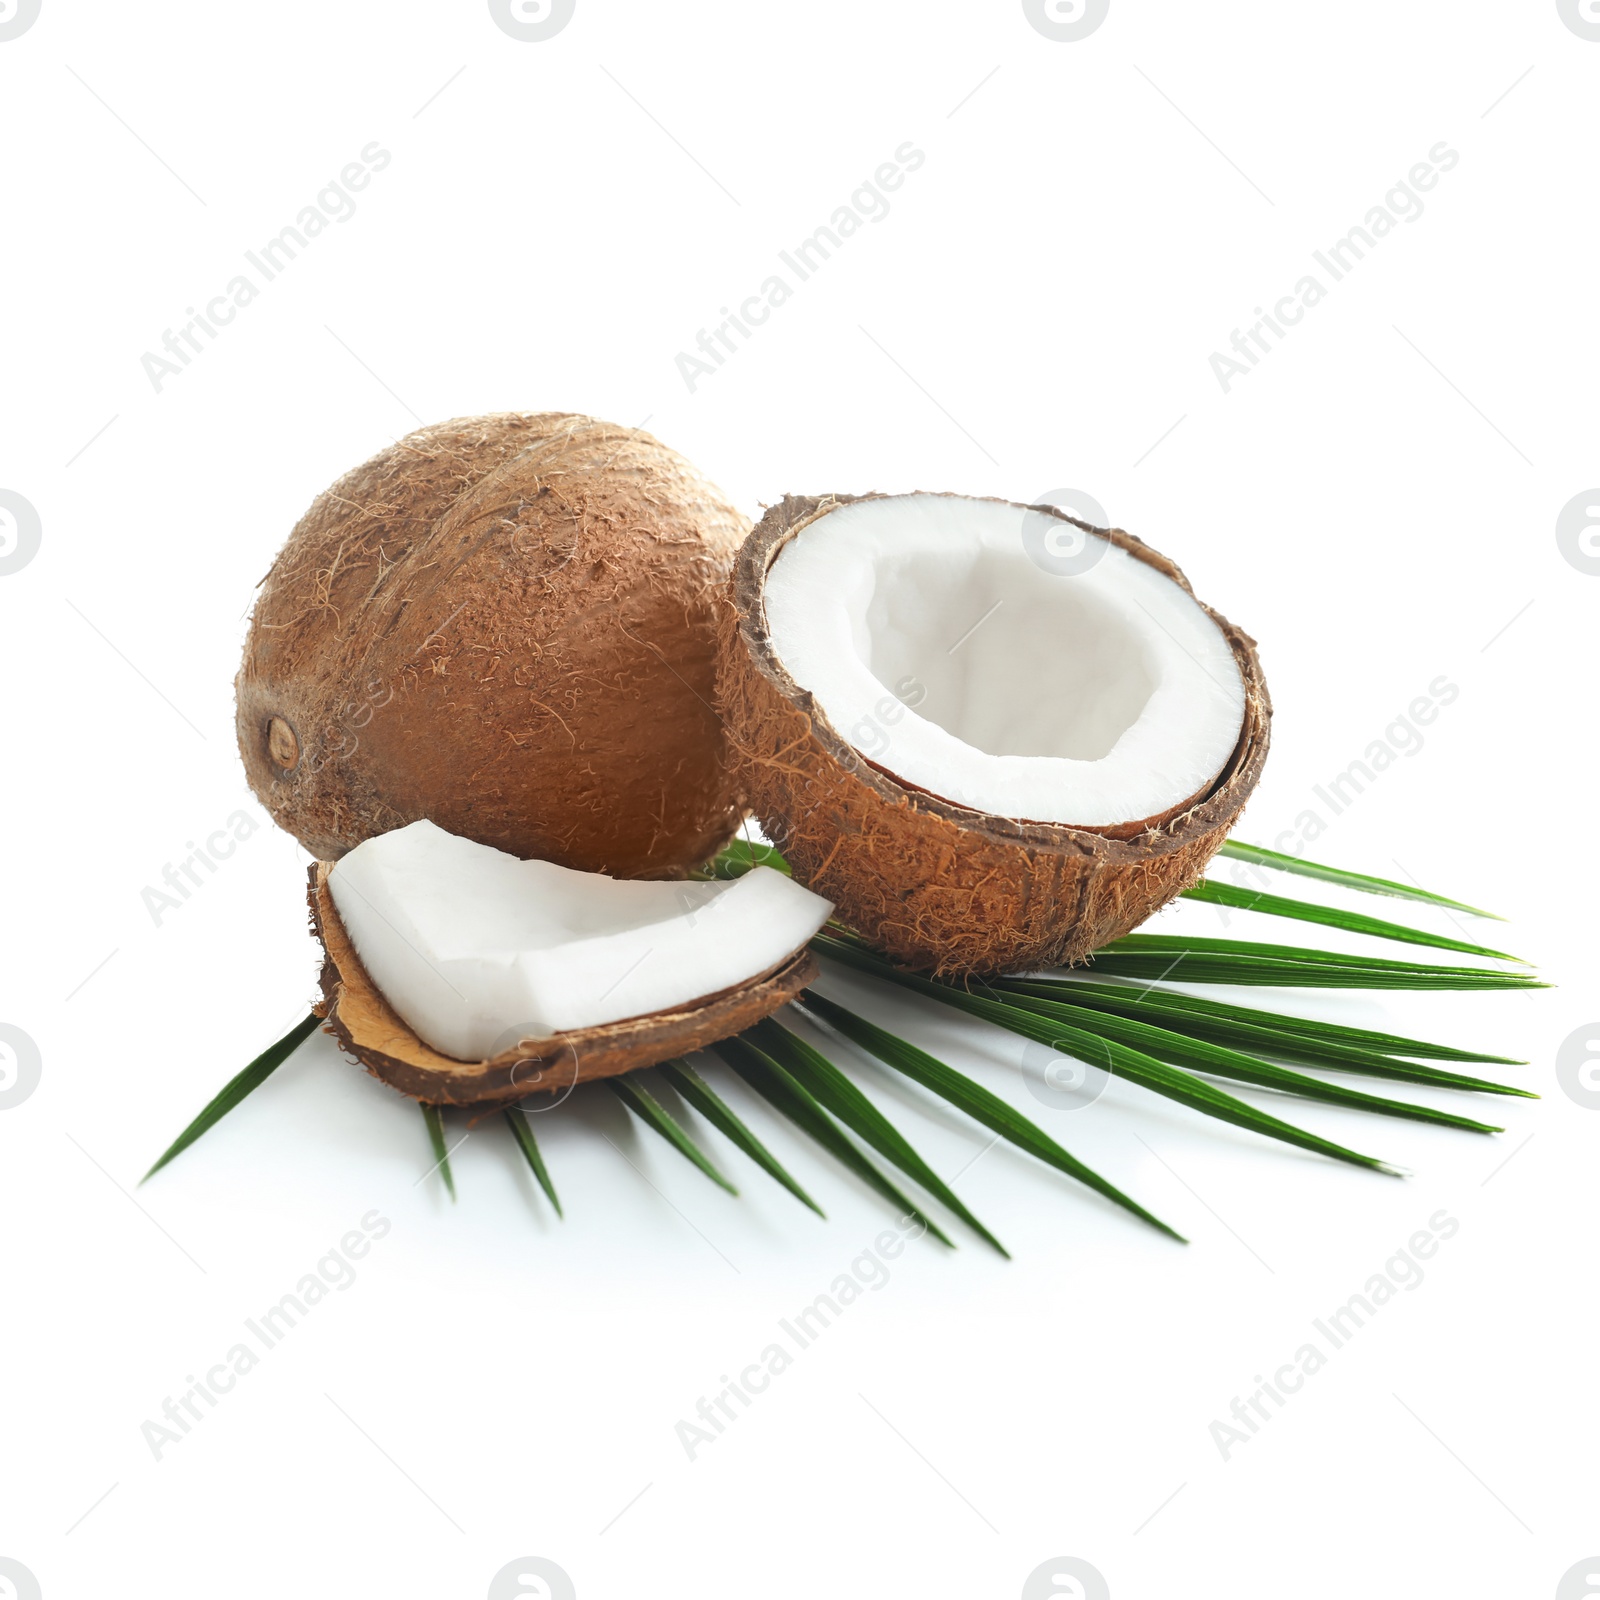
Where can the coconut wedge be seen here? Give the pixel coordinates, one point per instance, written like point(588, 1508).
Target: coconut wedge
point(468, 941)
point(995, 737)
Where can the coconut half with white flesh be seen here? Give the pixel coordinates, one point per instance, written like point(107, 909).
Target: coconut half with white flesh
point(463, 975)
point(995, 737)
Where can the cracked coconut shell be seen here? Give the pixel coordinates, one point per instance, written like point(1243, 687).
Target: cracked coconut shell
point(355, 1012)
point(933, 884)
point(505, 624)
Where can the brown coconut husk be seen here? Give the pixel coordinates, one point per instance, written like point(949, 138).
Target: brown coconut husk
point(931, 883)
point(355, 1012)
point(506, 624)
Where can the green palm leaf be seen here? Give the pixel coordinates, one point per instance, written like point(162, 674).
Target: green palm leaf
point(441, 1156)
point(1203, 1056)
point(653, 1114)
point(1159, 1038)
point(737, 858)
point(1309, 1051)
point(237, 1088)
point(978, 1103)
point(838, 1095)
point(522, 1131)
point(1191, 1012)
point(1119, 1059)
point(1164, 957)
point(722, 1117)
point(1210, 892)
point(775, 1084)
point(1349, 880)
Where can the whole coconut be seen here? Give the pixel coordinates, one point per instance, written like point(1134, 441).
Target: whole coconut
point(506, 624)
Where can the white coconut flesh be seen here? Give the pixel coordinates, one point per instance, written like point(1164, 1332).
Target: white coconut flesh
point(1006, 662)
point(475, 949)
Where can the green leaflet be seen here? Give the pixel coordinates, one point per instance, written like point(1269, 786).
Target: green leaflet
point(441, 1156)
point(1203, 1056)
point(1191, 1012)
point(1120, 1059)
point(1176, 959)
point(237, 1088)
point(838, 1095)
point(773, 1082)
point(699, 1094)
point(978, 1103)
point(1210, 892)
point(737, 858)
point(653, 1114)
point(1349, 880)
point(522, 1132)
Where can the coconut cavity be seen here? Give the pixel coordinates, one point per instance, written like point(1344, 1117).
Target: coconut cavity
point(995, 738)
point(506, 624)
point(476, 950)
point(972, 666)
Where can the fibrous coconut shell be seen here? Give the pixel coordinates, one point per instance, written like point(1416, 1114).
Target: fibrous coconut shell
point(356, 1013)
point(931, 883)
point(505, 624)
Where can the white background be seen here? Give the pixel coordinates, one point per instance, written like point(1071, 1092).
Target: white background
point(1376, 502)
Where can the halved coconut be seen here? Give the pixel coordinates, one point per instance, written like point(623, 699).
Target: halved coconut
point(462, 975)
point(995, 737)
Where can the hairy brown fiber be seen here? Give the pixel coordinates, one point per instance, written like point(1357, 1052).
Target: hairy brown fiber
point(355, 1012)
point(505, 624)
point(928, 882)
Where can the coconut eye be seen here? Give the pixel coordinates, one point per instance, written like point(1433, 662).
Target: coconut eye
point(283, 745)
